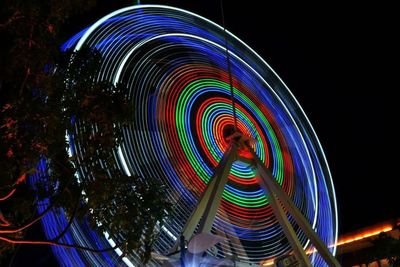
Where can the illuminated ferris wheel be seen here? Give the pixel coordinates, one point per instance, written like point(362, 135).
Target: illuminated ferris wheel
point(233, 147)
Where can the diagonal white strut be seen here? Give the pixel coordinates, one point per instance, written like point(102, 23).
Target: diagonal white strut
point(283, 221)
point(275, 191)
point(208, 203)
point(210, 199)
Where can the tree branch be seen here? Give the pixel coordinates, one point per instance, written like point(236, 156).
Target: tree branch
point(4, 222)
point(41, 215)
point(8, 195)
point(52, 243)
point(27, 68)
point(16, 16)
point(20, 179)
point(70, 220)
point(38, 218)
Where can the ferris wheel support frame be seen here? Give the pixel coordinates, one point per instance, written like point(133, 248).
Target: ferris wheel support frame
point(208, 203)
point(207, 206)
point(277, 193)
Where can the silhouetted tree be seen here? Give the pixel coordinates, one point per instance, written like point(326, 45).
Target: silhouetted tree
point(387, 247)
point(45, 95)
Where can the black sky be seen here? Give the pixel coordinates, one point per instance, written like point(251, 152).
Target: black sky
point(341, 63)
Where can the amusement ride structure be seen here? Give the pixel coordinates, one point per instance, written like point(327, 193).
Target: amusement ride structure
point(218, 127)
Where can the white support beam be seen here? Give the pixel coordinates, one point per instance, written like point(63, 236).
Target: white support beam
point(287, 228)
point(212, 193)
point(294, 211)
point(210, 199)
point(216, 192)
point(233, 242)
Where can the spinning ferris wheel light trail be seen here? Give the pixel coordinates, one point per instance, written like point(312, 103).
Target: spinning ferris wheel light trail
point(174, 64)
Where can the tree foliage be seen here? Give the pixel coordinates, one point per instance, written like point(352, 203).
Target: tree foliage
point(45, 94)
point(387, 247)
point(383, 247)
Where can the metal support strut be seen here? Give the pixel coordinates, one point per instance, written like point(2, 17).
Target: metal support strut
point(207, 206)
point(274, 189)
point(208, 203)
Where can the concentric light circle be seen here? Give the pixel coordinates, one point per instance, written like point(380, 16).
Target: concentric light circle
point(174, 64)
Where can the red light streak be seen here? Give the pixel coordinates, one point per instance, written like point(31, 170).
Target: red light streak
point(8, 195)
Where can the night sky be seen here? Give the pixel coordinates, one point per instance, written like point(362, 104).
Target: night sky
point(341, 63)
